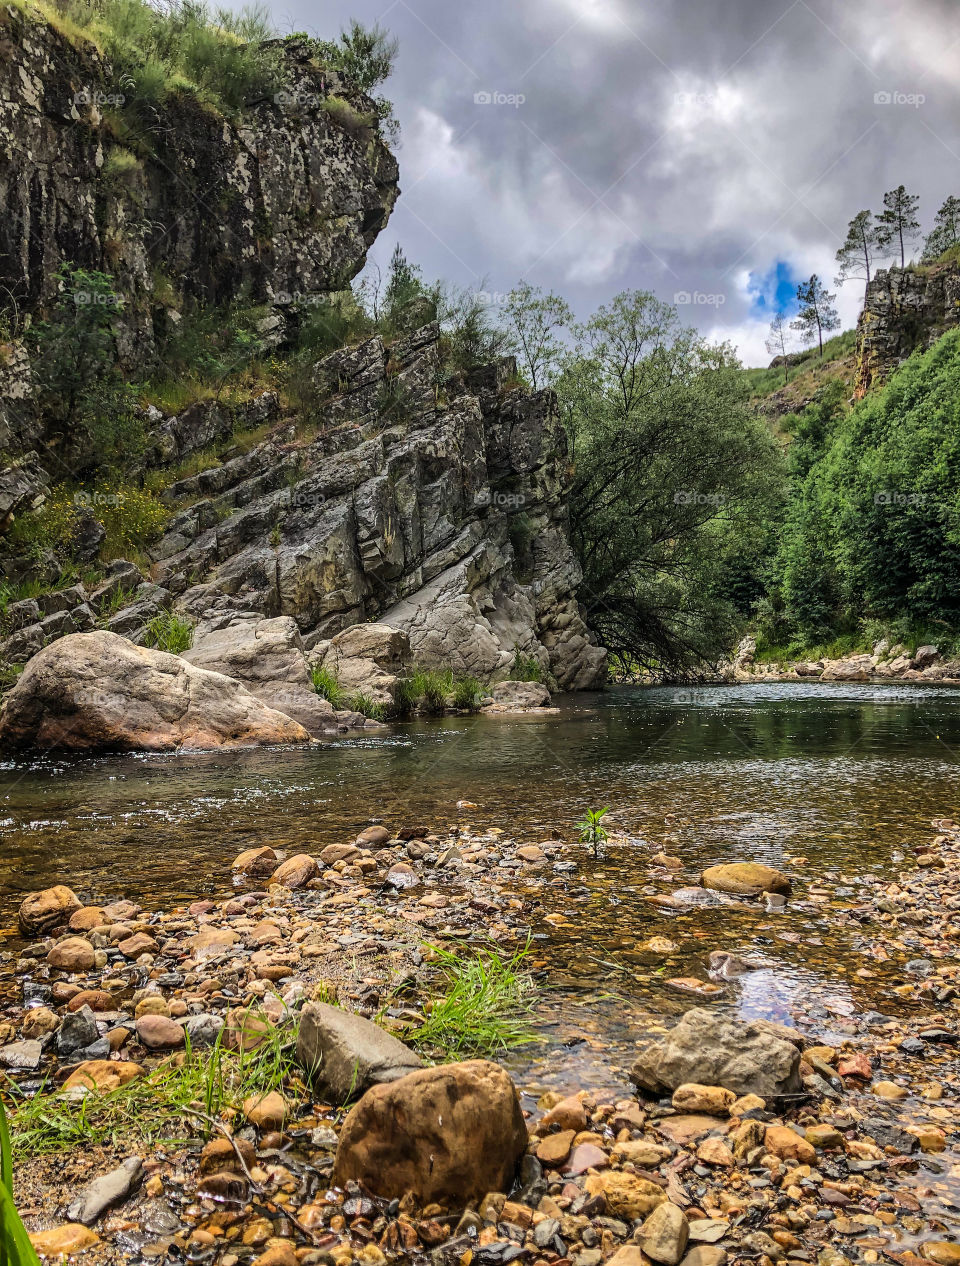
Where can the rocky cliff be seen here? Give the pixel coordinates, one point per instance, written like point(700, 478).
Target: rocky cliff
point(391, 490)
point(905, 309)
point(180, 202)
point(433, 503)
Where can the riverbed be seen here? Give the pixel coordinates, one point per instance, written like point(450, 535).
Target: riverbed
point(835, 784)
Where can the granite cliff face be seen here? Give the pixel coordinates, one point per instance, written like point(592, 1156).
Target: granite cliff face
point(905, 309)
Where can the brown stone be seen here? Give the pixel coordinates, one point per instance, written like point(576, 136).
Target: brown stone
point(41, 911)
point(713, 1100)
point(103, 1074)
point(86, 919)
point(267, 1112)
point(781, 1141)
point(447, 1135)
point(295, 871)
point(72, 954)
point(555, 1148)
point(139, 943)
point(256, 861)
point(210, 941)
point(747, 879)
point(72, 1237)
point(334, 853)
point(38, 1022)
point(95, 999)
point(713, 1151)
point(373, 837)
point(159, 1033)
point(626, 1195)
point(568, 1114)
point(221, 1154)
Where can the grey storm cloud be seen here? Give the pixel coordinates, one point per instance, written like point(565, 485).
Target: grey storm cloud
point(684, 147)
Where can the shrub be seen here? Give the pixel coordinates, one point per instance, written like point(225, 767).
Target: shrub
point(169, 632)
point(132, 518)
point(467, 693)
point(525, 668)
point(121, 166)
point(352, 120)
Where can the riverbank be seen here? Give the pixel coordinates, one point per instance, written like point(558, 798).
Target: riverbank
point(859, 1165)
point(883, 663)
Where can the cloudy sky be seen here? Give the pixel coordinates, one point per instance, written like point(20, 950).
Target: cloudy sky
point(711, 150)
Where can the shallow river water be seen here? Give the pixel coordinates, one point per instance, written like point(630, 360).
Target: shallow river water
point(835, 784)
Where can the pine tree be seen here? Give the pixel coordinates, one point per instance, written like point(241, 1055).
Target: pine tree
point(897, 223)
point(817, 314)
point(777, 341)
point(855, 256)
point(946, 230)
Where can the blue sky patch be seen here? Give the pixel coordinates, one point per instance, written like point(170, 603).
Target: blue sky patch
point(774, 291)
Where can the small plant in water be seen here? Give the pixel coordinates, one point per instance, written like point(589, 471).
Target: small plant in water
point(486, 1006)
point(592, 831)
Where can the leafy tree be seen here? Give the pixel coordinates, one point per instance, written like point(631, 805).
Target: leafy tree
point(777, 341)
point(897, 223)
point(946, 230)
point(365, 56)
point(855, 256)
point(535, 320)
point(674, 477)
point(817, 313)
point(404, 285)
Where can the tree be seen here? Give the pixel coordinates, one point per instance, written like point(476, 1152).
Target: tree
point(897, 223)
point(535, 320)
point(777, 341)
point(856, 254)
point(946, 230)
point(673, 479)
point(817, 313)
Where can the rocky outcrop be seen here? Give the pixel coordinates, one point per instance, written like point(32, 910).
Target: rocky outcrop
point(448, 1135)
point(281, 202)
point(267, 657)
point(97, 691)
point(905, 309)
point(432, 504)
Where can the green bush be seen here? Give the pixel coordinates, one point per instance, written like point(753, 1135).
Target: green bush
point(467, 693)
point(525, 668)
point(364, 704)
point(169, 632)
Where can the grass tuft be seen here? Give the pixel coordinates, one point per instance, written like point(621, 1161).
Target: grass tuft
point(487, 1004)
point(214, 1083)
point(169, 632)
point(327, 686)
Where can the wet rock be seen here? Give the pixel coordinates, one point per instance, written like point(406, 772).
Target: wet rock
point(941, 1252)
point(625, 1195)
point(568, 1114)
point(98, 691)
point(708, 1050)
point(664, 1234)
point(209, 942)
point(521, 694)
point(345, 1055)
point(448, 1135)
point(41, 911)
point(103, 1074)
point(787, 1144)
point(72, 954)
point(139, 943)
point(105, 1191)
point(747, 879)
point(221, 1154)
point(25, 1055)
point(203, 1029)
point(86, 919)
point(373, 837)
point(555, 1148)
point(296, 871)
point(159, 1032)
point(256, 861)
point(586, 1156)
point(705, 1255)
point(71, 1238)
point(95, 999)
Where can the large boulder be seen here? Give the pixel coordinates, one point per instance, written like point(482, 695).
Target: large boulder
point(345, 1055)
point(521, 694)
point(41, 911)
point(448, 1135)
point(267, 657)
point(709, 1050)
point(746, 879)
point(99, 692)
